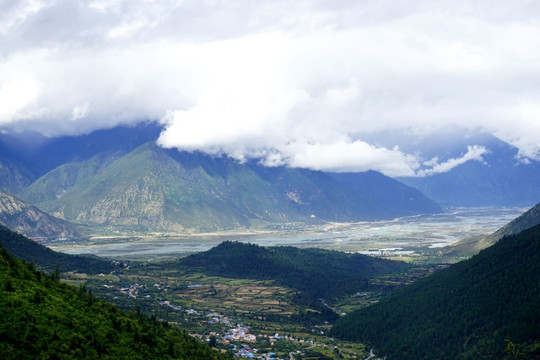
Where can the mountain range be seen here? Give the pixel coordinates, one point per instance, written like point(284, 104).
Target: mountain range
point(121, 179)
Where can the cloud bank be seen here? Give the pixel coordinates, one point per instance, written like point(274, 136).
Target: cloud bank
point(297, 84)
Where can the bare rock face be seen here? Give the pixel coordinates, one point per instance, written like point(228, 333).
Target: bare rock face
point(30, 221)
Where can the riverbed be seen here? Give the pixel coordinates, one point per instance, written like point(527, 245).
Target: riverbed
point(397, 237)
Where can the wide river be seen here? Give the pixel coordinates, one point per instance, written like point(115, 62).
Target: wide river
point(394, 237)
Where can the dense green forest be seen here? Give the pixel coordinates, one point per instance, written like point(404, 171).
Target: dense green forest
point(42, 318)
point(47, 259)
point(318, 273)
point(472, 310)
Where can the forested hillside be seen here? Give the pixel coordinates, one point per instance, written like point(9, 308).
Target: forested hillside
point(316, 272)
point(47, 259)
point(464, 312)
point(41, 318)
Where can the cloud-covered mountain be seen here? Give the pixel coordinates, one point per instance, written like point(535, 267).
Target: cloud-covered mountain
point(300, 85)
point(151, 188)
point(500, 177)
point(119, 178)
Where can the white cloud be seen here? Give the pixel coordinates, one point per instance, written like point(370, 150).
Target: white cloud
point(80, 112)
point(354, 156)
point(473, 153)
point(16, 91)
point(298, 83)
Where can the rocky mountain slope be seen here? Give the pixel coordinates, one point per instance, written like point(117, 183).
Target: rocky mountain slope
point(30, 221)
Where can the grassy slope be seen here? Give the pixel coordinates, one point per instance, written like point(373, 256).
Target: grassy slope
point(49, 188)
point(527, 220)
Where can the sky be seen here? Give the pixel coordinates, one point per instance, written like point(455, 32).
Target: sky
point(312, 84)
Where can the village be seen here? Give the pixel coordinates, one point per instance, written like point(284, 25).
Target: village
point(234, 337)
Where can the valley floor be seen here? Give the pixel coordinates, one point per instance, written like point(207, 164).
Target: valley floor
point(408, 238)
point(254, 318)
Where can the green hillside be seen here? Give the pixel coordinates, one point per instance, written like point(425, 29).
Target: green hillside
point(147, 189)
point(41, 318)
point(14, 176)
point(464, 312)
point(47, 259)
point(315, 272)
point(58, 180)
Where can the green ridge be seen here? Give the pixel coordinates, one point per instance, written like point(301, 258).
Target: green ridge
point(47, 259)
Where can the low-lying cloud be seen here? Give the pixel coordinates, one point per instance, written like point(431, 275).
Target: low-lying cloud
point(296, 84)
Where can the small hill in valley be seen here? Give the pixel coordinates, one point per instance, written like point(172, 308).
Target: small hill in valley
point(466, 311)
point(42, 318)
point(316, 272)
